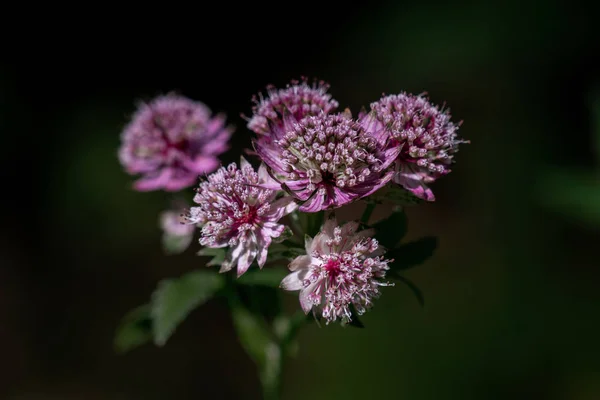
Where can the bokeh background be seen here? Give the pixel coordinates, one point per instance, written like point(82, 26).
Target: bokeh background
point(512, 294)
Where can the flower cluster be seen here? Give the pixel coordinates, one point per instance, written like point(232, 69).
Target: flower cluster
point(311, 159)
point(234, 211)
point(341, 268)
point(172, 140)
point(424, 134)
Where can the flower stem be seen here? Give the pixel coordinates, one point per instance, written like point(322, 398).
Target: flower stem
point(367, 213)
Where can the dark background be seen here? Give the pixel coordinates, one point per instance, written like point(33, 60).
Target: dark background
point(512, 293)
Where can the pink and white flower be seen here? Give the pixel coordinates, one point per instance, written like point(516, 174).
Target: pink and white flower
point(326, 161)
point(235, 210)
point(172, 140)
point(425, 135)
point(296, 101)
point(342, 268)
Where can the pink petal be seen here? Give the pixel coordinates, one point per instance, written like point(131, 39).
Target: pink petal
point(247, 257)
point(153, 181)
point(413, 182)
point(313, 204)
point(281, 207)
point(263, 241)
point(180, 182)
point(269, 154)
point(266, 180)
point(202, 164)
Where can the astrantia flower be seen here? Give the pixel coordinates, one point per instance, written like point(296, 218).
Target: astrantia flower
point(172, 140)
point(342, 267)
point(177, 234)
point(327, 161)
point(297, 100)
point(236, 212)
point(426, 136)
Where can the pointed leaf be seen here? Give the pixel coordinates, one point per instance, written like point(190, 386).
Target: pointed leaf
point(135, 329)
point(175, 298)
point(411, 254)
point(392, 229)
point(416, 291)
point(402, 197)
point(285, 235)
point(218, 255)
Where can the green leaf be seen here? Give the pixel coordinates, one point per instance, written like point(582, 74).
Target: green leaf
point(394, 194)
point(175, 298)
point(252, 333)
point(173, 244)
point(415, 289)
point(285, 235)
point(135, 329)
point(284, 251)
point(255, 338)
point(392, 229)
point(411, 254)
point(271, 277)
point(402, 197)
point(218, 255)
point(311, 222)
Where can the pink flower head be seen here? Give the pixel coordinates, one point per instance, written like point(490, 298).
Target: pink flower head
point(297, 100)
point(342, 267)
point(426, 136)
point(172, 140)
point(327, 161)
point(235, 211)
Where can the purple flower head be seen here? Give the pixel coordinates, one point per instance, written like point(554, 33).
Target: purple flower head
point(297, 100)
point(235, 211)
point(426, 136)
point(327, 161)
point(172, 140)
point(342, 267)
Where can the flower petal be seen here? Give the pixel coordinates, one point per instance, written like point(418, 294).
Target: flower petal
point(300, 263)
point(292, 281)
point(281, 207)
point(314, 203)
point(153, 181)
point(247, 257)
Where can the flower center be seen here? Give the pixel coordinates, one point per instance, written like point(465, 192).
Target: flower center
point(332, 267)
point(249, 217)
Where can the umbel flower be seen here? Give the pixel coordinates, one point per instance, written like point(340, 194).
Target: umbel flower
point(426, 137)
point(327, 161)
point(235, 211)
point(170, 141)
point(297, 100)
point(342, 268)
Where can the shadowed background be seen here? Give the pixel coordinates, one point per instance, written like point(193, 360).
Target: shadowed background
point(511, 295)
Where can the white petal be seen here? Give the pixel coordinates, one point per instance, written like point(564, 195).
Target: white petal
point(300, 263)
point(244, 163)
point(291, 282)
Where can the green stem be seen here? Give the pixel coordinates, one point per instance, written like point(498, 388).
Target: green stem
point(367, 213)
point(258, 341)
